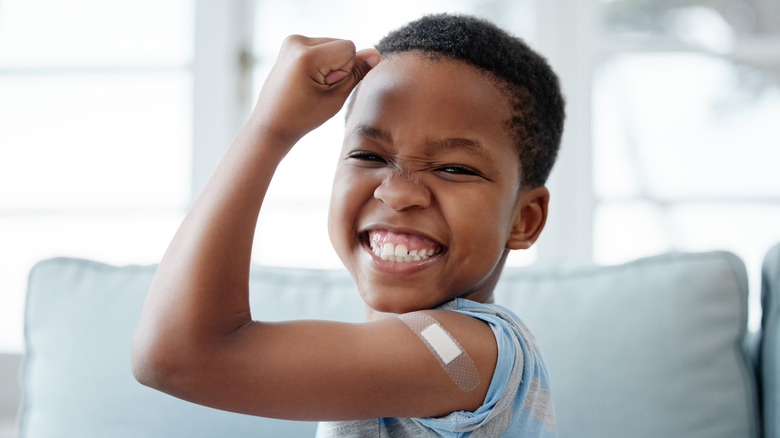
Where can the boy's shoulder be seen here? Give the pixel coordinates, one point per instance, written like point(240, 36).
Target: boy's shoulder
point(519, 376)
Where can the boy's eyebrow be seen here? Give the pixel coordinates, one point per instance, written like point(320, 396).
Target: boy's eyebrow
point(468, 145)
point(372, 133)
point(471, 146)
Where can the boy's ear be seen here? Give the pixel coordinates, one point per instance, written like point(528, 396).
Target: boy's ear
point(530, 217)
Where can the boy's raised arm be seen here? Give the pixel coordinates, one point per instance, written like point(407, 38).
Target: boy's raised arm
point(200, 290)
point(196, 338)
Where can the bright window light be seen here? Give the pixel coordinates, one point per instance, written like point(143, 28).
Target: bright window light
point(95, 144)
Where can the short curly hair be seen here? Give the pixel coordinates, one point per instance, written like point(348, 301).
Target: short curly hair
point(530, 83)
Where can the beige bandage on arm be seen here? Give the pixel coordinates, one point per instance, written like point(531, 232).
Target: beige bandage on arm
point(451, 356)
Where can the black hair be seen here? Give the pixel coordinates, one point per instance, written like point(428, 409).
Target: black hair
point(532, 87)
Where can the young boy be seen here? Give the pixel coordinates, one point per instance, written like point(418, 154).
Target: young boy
point(449, 140)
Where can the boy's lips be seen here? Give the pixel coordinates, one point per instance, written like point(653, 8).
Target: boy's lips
point(400, 246)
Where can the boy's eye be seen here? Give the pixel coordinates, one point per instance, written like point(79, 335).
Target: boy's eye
point(366, 156)
point(458, 170)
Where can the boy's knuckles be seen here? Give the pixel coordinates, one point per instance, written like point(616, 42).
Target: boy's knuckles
point(294, 41)
point(331, 54)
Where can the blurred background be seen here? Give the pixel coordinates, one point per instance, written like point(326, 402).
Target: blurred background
point(113, 113)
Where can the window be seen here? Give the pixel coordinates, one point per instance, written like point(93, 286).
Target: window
point(95, 135)
point(685, 105)
point(113, 115)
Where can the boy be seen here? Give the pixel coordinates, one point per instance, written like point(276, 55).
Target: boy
point(448, 142)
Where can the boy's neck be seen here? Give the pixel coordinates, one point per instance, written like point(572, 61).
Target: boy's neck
point(374, 315)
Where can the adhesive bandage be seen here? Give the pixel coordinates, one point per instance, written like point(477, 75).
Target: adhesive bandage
point(452, 357)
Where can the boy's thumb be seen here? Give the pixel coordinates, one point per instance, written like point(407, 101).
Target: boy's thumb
point(365, 60)
point(372, 60)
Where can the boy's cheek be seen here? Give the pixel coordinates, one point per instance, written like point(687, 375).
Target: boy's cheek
point(342, 212)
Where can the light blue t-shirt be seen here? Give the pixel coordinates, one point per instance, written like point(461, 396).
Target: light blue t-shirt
point(518, 401)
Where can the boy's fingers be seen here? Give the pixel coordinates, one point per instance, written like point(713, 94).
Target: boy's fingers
point(336, 60)
point(330, 57)
point(358, 67)
point(335, 76)
point(332, 60)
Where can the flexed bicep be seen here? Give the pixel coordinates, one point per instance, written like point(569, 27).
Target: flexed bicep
point(320, 370)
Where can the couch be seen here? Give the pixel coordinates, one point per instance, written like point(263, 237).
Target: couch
point(658, 347)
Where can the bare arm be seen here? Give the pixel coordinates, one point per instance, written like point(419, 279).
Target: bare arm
point(196, 338)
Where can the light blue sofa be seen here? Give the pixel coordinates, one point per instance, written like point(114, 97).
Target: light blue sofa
point(653, 348)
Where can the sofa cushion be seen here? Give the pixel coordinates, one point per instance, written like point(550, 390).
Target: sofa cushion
point(770, 342)
point(652, 348)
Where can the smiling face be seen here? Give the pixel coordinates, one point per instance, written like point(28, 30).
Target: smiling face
point(426, 197)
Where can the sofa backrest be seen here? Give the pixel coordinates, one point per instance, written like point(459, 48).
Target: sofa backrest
point(647, 349)
point(651, 348)
point(79, 323)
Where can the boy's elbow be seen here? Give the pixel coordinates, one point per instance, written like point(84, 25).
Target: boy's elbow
point(154, 366)
point(145, 368)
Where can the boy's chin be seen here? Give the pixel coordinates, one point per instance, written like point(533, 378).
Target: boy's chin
point(395, 301)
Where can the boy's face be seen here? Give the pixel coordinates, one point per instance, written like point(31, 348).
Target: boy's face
point(429, 166)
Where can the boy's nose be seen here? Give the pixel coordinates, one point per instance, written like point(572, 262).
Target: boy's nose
point(401, 192)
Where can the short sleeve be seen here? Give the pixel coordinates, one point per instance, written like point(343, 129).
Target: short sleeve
point(518, 401)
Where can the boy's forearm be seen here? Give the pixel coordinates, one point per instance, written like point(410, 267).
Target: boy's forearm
point(215, 238)
point(200, 289)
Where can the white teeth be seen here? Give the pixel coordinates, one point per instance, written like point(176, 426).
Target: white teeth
point(399, 253)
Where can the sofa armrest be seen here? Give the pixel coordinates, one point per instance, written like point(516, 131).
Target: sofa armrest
point(769, 353)
point(10, 394)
